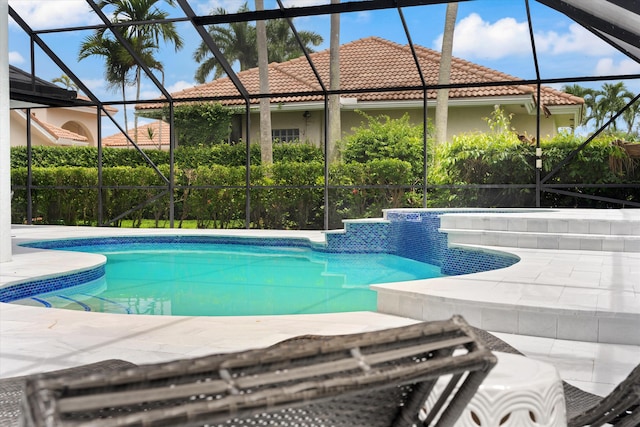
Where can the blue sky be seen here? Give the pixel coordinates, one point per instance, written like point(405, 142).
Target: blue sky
point(493, 33)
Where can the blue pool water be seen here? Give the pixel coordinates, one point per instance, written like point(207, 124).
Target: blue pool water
point(209, 279)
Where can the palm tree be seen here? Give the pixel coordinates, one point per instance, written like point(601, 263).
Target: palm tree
point(237, 41)
point(145, 38)
point(612, 98)
point(118, 62)
point(442, 99)
point(335, 120)
point(630, 116)
point(589, 96)
point(266, 140)
point(283, 45)
point(66, 82)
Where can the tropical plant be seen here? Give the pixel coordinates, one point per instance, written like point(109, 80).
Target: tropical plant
point(66, 82)
point(118, 62)
point(602, 104)
point(589, 96)
point(201, 124)
point(238, 43)
point(283, 45)
point(144, 39)
point(612, 98)
point(631, 116)
point(382, 138)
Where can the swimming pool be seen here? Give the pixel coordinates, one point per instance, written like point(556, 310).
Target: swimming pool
point(221, 277)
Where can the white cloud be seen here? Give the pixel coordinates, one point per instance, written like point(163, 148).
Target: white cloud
point(149, 91)
point(207, 7)
point(40, 14)
point(607, 66)
point(15, 58)
point(577, 40)
point(477, 38)
point(303, 3)
point(363, 17)
point(178, 86)
point(95, 85)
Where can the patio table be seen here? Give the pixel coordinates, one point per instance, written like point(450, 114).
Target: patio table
point(518, 391)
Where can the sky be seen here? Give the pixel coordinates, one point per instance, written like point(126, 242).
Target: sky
point(492, 33)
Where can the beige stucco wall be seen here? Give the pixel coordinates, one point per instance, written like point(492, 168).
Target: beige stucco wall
point(18, 132)
point(81, 120)
point(461, 120)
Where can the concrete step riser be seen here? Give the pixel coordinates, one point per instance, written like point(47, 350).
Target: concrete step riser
point(562, 241)
point(557, 226)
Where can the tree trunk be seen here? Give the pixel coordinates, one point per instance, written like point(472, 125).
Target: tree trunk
point(335, 125)
point(126, 121)
point(266, 141)
point(444, 77)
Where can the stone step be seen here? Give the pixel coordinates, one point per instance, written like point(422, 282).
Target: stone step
point(527, 224)
point(577, 278)
point(544, 240)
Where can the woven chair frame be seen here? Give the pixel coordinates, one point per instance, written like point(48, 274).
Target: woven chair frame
point(621, 407)
point(377, 378)
point(12, 389)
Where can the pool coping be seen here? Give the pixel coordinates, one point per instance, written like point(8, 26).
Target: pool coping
point(530, 290)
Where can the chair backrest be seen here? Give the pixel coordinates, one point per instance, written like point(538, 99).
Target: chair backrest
point(621, 407)
point(379, 378)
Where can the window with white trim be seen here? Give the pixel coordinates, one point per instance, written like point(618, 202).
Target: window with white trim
point(285, 135)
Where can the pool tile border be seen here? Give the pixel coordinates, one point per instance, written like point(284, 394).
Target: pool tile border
point(33, 287)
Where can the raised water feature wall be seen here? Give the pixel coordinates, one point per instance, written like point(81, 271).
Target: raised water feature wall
point(415, 234)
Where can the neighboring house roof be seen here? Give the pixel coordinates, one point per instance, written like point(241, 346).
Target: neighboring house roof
point(159, 130)
point(55, 134)
point(26, 90)
point(371, 63)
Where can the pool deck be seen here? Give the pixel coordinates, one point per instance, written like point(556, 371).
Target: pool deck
point(35, 339)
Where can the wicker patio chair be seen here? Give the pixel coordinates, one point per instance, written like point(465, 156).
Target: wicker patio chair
point(11, 389)
point(621, 407)
point(373, 379)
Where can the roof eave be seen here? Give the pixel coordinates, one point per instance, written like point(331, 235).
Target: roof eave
point(352, 104)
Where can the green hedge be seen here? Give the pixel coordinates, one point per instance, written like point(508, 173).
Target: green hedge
point(382, 164)
point(214, 196)
point(494, 159)
point(187, 157)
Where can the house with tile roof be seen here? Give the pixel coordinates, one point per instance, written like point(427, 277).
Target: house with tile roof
point(154, 135)
point(67, 121)
point(378, 76)
point(58, 126)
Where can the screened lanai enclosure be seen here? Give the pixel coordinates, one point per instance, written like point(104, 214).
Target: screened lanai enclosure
point(342, 123)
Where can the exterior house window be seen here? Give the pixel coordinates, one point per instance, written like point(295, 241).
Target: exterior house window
point(285, 135)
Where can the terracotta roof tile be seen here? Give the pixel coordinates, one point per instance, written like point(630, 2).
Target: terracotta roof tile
point(371, 63)
point(58, 132)
point(159, 130)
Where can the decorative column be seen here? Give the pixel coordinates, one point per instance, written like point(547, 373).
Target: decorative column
point(5, 143)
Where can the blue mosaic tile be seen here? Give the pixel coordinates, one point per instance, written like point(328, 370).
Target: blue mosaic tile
point(254, 241)
point(27, 289)
point(411, 234)
point(459, 261)
point(360, 237)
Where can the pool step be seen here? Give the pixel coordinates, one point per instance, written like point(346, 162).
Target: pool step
point(578, 279)
point(517, 231)
point(80, 302)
